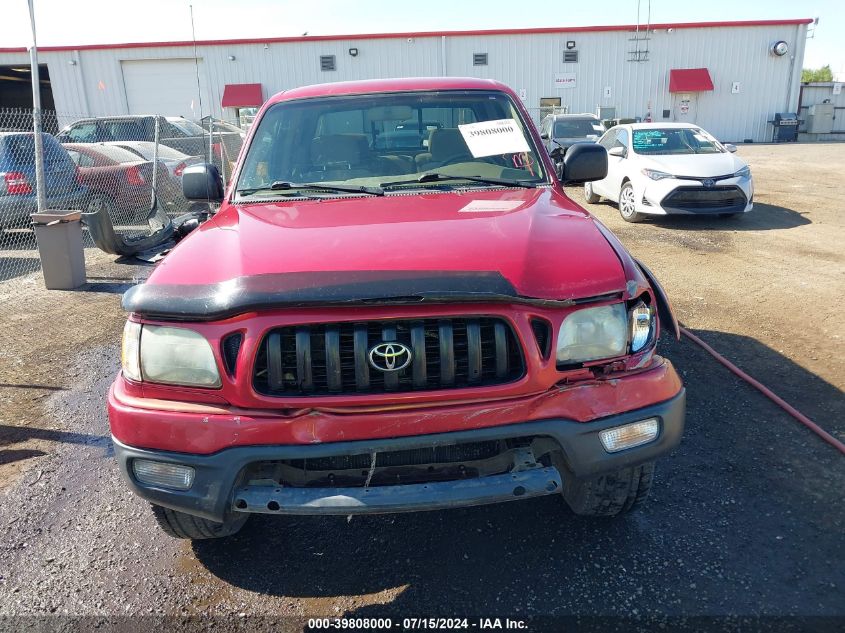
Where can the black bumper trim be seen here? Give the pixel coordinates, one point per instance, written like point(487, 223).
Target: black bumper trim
point(217, 474)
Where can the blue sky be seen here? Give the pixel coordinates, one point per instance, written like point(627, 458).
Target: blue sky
point(109, 21)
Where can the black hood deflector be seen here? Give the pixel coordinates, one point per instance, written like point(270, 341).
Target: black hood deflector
point(211, 302)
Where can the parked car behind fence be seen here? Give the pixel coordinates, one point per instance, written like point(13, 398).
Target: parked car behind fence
point(64, 189)
point(120, 182)
point(176, 132)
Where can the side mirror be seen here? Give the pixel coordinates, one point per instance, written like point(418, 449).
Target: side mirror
point(202, 183)
point(730, 147)
point(617, 151)
point(544, 136)
point(584, 162)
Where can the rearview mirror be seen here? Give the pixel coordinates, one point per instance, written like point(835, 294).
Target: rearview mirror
point(617, 151)
point(731, 148)
point(584, 162)
point(203, 183)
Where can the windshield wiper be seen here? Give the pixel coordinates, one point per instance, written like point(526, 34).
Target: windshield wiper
point(282, 185)
point(438, 177)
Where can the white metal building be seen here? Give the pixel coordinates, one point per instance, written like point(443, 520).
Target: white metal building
point(742, 77)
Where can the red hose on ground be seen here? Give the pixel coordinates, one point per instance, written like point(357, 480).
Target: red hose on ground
point(795, 413)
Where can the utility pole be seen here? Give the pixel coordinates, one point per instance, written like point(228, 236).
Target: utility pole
point(36, 116)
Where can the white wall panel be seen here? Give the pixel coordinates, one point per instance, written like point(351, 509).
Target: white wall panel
point(768, 84)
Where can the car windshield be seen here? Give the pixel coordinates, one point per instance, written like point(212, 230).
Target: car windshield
point(576, 128)
point(675, 141)
point(376, 140)
point(147, 151)
point(188, 127)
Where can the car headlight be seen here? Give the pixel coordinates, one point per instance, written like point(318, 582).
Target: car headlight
point(745, 172)
point(642, 326)
point(655, 174)
point(130, 350)
point(605, 332)
point(593, 333)
point(169, 355)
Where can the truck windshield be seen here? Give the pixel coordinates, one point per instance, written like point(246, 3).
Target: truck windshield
point(375, 140)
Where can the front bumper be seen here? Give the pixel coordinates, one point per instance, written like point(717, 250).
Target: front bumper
point(217, 490)
point(654, 197)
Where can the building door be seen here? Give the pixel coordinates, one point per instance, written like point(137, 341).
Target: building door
point(685, 107)
point(167, 87)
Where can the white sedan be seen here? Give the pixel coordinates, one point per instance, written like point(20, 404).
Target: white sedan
point(671, 168)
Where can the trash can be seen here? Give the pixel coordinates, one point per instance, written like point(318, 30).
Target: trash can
point(59, 237)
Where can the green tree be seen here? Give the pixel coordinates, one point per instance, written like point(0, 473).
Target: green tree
point(817, 74)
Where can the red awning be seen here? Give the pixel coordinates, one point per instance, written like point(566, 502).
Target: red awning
point(689, 80)
point(242, 96)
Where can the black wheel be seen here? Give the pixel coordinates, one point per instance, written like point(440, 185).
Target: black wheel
point(591, 197)
point(609, 495)
point(628, 204)
point(181, 525)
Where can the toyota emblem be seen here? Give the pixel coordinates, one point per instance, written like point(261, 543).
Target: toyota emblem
point(391, 356)
point(708, 182)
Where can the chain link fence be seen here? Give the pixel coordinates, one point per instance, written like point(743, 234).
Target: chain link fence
point(128, 168)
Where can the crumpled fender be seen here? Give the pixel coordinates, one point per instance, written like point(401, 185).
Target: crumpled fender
point(664, 308)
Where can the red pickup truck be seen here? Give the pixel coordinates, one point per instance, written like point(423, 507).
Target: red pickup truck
point(369, 327)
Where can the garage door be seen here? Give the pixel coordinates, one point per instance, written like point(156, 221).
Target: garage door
point(165, 86)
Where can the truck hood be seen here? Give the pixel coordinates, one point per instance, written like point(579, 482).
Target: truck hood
point(536, 241)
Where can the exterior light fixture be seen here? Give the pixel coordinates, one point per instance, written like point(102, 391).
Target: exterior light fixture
point(231, 58)
point(353, 52)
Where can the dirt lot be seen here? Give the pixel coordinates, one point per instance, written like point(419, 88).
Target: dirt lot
point(746, 517)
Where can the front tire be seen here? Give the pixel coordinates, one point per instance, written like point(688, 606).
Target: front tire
point(609, 495)
point(591, 197)
point(181, 525)
point(628, 204)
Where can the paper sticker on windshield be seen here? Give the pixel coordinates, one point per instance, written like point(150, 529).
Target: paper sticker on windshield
point(489, 138)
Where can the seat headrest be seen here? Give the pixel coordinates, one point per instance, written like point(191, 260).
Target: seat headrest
point(339, 148)
point(446, 143)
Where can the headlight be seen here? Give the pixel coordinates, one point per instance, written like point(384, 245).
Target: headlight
point(745, 172)
point(593, 333)
point(170, 355)
point(642, 326)
point(656, 175)
point(130, 357)
point(177, 356)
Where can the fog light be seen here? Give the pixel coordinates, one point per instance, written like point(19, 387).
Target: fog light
point(630, 435)
point(162, 474)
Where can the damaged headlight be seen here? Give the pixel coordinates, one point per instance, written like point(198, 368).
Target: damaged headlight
point(169, 355)
point(593, 333)
point(604, 332)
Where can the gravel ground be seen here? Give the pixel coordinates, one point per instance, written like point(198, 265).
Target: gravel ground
point(746, 517)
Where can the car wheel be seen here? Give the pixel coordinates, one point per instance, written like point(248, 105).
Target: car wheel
point(628, 204)
point(609, 495)
point(182, 525)
point(591, 197)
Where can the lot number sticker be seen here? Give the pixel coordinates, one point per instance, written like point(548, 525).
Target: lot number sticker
point(489, 138)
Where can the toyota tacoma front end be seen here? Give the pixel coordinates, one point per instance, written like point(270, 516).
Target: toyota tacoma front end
point(367, 326)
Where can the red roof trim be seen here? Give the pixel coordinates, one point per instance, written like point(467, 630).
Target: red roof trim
point(366, 36)
point(242, 96)
point(690, 80)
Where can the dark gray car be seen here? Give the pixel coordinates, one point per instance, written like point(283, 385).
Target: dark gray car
point(564, 130)
point(17, 178)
